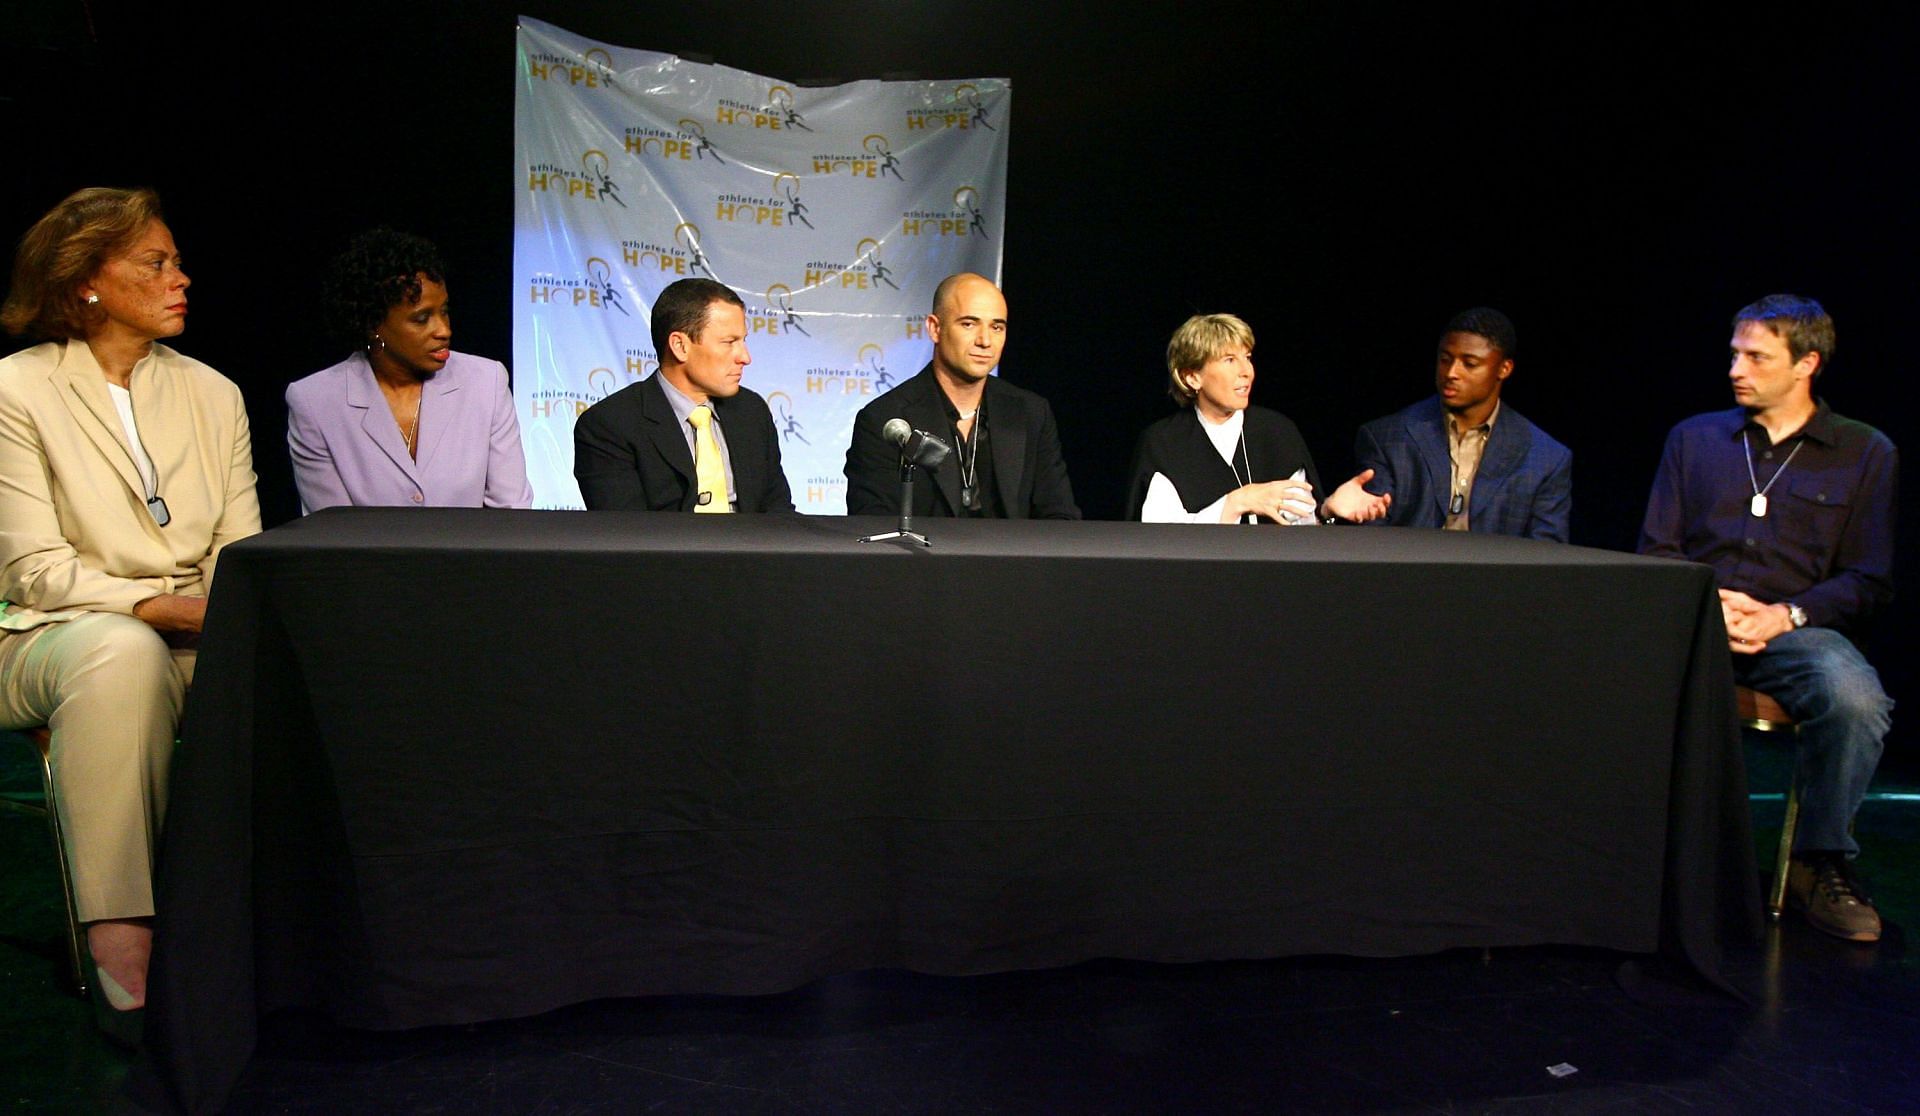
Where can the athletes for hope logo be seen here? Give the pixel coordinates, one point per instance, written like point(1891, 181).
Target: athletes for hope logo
point(592, 70)
point(688, 145)
point(866, 272)
point(775, 114)
point(966, 109)
point(592, 182)
point(771, 212)
point(866, 375)
point(965, 218)
point(652, 257)
point(747, 209)
point(560, 402)
point(593, 288)
point(875, 160)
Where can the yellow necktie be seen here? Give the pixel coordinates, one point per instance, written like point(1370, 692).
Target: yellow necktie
point(708, 473)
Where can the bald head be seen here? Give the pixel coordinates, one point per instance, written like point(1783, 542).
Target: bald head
point(968, 327)
point(955, 284)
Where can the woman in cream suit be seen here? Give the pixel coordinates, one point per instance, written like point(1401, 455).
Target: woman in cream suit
point(124, 468)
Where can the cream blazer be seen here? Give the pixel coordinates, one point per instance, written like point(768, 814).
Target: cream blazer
point(75, 533)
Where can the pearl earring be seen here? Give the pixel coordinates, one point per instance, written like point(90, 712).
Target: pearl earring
point(93, 300)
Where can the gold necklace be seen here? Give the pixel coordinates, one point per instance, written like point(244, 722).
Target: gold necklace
point(410, 426)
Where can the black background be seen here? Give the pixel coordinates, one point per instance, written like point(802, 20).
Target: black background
point(1618, 178)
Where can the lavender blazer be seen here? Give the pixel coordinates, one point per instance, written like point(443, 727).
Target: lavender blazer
point(347, 449)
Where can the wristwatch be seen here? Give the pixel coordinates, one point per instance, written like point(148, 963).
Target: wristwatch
point(1796, 615)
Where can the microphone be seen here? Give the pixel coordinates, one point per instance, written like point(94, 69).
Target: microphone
point(918, 449)
point(916, 446)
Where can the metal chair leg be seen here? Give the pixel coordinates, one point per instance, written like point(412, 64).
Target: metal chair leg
point(78, 958)
point(1762, 713)
point(1777, 897)
point(77, 954)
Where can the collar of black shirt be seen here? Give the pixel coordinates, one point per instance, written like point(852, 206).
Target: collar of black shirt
point(1819, 427)
point(953, 412)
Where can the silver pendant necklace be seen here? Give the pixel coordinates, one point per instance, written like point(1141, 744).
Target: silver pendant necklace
point(1235, 465)
point(1248, 479)
point(969, 458)
point(1757, 507)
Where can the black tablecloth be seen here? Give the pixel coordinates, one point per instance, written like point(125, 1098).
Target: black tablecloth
point(444, 766)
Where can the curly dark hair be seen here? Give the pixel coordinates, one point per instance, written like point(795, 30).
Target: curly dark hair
point(1489, 323)
point(380, 269)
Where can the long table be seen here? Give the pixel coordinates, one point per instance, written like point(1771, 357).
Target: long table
point(446, 766)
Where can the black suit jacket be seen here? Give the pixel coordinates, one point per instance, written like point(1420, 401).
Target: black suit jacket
point(630, 452)
point(1177, 448)
point(1028, 472)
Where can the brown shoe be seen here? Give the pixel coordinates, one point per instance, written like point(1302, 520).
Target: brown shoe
point(1824, 886)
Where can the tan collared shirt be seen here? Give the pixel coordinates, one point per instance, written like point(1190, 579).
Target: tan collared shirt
point(1465, 447)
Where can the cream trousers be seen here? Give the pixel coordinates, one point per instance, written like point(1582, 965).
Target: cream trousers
point(110, 689)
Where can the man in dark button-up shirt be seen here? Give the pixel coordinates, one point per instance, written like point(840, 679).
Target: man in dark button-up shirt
point(1793, 506)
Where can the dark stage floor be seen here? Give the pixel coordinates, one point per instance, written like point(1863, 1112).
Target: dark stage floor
point(1835, 1028)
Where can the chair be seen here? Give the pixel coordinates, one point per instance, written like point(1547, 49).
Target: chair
point(49, 808)
point(1763, 714)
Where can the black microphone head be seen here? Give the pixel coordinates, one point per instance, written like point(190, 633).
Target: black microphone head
point(925, 450)
point(897, 431)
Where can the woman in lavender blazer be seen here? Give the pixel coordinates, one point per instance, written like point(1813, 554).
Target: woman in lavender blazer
point(404, 421)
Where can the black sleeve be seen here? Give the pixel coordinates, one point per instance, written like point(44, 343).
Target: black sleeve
point(1140, 473)
point(604, 464)
point(1052, 492)
point(873, 468)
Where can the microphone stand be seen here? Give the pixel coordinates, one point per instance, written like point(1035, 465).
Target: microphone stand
point(905, 530)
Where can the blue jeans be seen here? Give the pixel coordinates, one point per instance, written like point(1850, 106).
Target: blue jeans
point(1820, 678)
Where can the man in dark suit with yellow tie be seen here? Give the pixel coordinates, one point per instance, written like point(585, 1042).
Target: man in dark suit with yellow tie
point(688, 437)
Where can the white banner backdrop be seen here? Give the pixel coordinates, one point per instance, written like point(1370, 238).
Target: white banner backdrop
point(832, 212)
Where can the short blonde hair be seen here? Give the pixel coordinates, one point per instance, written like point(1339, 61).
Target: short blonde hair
point(62, 251)
point(1197, 341)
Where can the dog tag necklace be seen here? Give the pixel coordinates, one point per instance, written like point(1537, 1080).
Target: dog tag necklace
point(1757, 507)
point(970, 458)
